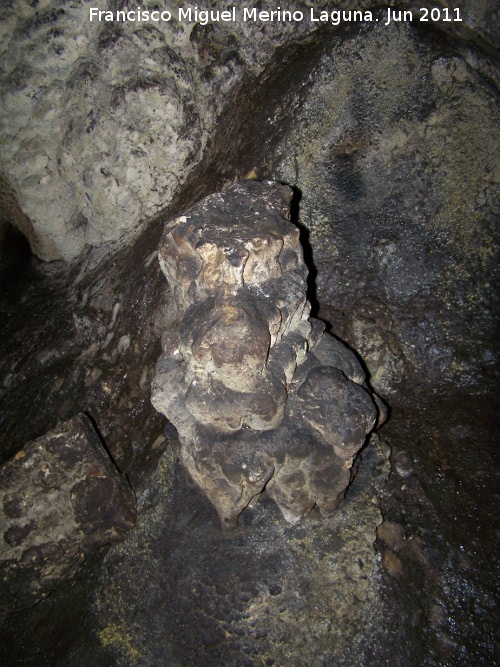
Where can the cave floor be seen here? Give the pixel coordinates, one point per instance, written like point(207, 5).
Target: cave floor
point(180, 591)
point(404, 573)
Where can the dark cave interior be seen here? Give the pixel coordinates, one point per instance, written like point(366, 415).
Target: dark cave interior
point(389, 137)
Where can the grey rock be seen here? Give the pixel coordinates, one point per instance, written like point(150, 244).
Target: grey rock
point(287, 593)
point(113, 115)
point(61, 497)
point(398, 175)
point(333, 352)
point(259, 393)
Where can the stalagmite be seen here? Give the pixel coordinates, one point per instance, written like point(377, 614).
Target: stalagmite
point(261, 396)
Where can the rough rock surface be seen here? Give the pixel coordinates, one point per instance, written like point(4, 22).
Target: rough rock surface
point(391, 135)
point(259, 393)
point(396, 213)
point(61, 497)
point(102, 121)
point(268, 594)
point(399, 175)
point(112, 115)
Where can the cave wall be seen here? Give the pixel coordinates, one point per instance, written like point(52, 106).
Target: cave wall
point(388, 133)
point(102, 121)
point(390, 138)
point(397, 158)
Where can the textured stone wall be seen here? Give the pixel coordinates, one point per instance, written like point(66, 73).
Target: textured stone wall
point(396, 154)
point(391, 136)
point(101, 122)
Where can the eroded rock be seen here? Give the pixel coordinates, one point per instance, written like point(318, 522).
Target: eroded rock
point(103, 106)
point(60, 498)
point(260, 394)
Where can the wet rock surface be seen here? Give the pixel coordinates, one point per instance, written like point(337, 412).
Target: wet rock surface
point(268, 594)
point(440, 532)
point(248, 598)
point(82, 358)
point(115, 115)
point(320, 592)
point(390, 134)
point(61, 497)
point(426, 161)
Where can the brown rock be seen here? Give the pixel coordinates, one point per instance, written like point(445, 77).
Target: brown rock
point(60, 498)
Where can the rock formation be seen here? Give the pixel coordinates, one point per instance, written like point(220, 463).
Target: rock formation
point(260, 394)
point(104, 107)
point(391, 134)
point(60, 498)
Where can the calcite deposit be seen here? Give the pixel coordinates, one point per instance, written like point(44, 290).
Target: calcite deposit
point(101, 121)
point(261, 396)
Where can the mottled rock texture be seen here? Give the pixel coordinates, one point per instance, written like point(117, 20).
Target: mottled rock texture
point(61, 497)
point(386, 213)
point(271, 594)
point(101, 122)
point(260, 395)
point(391, 134)
point(399, 172)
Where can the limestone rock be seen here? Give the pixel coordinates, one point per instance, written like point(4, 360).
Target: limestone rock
point(259, 393)
point(398, 177)
point(102, 120)
point(60, 498)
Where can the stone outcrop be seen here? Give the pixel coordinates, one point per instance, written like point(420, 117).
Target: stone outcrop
point(112, 115)
point(399, 180)
point(389, 133)
point(400, 198)
point(260, 394)
point(61, 497)
point(101, 121)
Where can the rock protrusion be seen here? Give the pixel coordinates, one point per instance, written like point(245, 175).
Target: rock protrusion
point(259, 393)
point(60, 498)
